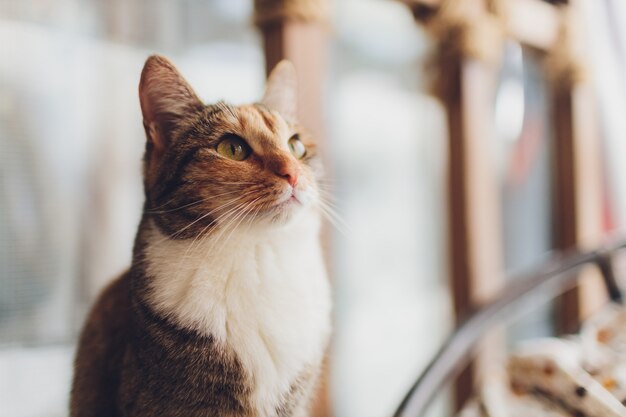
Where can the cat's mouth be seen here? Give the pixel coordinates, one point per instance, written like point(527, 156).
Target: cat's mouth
point(289, 201)
point(285, 203)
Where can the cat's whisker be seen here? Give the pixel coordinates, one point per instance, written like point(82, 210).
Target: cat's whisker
point(232, 215)
point(163, 205)
point(334, 218)
point(239, 182)
point(252, 216)
point(335, 224)
point(187, 254)
point(229, 227)
point(211, 181)
point(330, 207)
point(231, 211)
point(243, 211)
point(327, 199)
point(204, 216)
point(327, 188)
point(329, 194)
point(327, 184)
point(326, 195)
point(154, 211)
point(198, 238)
point(328, 181)
point(217, 239)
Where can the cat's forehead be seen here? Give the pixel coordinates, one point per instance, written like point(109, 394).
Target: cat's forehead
point(261, 127)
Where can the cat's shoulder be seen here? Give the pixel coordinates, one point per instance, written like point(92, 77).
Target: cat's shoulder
point(100, 352)
point(111, 311)
point(115, 297)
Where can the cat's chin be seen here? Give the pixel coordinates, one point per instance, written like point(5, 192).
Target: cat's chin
point(284, 208)
point(282, 212)
point(285, 212)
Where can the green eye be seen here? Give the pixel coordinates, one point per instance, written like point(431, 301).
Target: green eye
point(296, 147)
point(233, 147)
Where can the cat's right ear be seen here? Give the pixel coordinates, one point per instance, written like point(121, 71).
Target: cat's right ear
point(166, 98)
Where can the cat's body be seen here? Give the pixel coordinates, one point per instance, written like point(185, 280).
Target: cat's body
point(221, 313)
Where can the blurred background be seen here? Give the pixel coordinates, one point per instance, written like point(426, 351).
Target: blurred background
point(464, 139)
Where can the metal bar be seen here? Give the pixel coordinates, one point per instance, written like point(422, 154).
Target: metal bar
point(552, 278)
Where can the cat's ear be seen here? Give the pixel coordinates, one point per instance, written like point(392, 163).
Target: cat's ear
point(166, 98)
point(281, 92)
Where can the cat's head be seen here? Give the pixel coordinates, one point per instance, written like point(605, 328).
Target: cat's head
point(218, 166)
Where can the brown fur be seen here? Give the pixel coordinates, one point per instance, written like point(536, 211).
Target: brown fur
point(100, 353)
point(133, 361)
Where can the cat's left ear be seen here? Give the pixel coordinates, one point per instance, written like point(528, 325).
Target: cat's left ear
point(166, 99)
point(281, 92)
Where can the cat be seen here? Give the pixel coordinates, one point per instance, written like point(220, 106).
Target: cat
point(225, 310)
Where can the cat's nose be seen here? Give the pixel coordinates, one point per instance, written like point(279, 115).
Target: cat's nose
point(289, 171)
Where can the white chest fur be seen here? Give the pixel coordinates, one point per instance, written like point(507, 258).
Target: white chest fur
point(264, 293)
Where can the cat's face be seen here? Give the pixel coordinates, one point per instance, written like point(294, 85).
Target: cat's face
point(220, 167)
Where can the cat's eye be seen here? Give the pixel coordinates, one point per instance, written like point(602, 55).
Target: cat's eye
point(296, 147)
point(233, 147)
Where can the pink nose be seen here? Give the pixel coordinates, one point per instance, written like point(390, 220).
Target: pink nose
point(289, 171)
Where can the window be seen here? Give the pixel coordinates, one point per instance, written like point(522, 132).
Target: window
point(387, 144)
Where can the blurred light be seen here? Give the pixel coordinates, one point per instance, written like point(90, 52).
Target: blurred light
point(509, 107)
point(509, 113)
point(234, 10)
point(380, 31)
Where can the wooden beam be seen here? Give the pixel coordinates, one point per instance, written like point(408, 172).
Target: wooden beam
point(303, 39)
point(577, 159)
point(577, 196)
point(564, 206)
point(464, 79)
point(474, 218)
point(306, 45)
point(532, 23)
point(474, 235)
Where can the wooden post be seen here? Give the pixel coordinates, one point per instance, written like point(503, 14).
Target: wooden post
point(464, 65)
point(301, 36)
point(577, 171)
point(577, 198)
point(475, 244)
point(564, 201)
point(298, 31)
point(474, 233)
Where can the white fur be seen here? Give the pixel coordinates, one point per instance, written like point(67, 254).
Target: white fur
point(261, 290)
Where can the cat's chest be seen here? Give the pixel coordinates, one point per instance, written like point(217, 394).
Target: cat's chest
point(274, 286)
point(266, 299)
point(280, 325)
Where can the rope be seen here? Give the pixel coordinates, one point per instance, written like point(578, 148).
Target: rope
point(470, 30)
point(564, 63)
point(462, 30)
point(268, 12)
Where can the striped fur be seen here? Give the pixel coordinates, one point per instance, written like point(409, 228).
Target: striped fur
point(225, 310)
